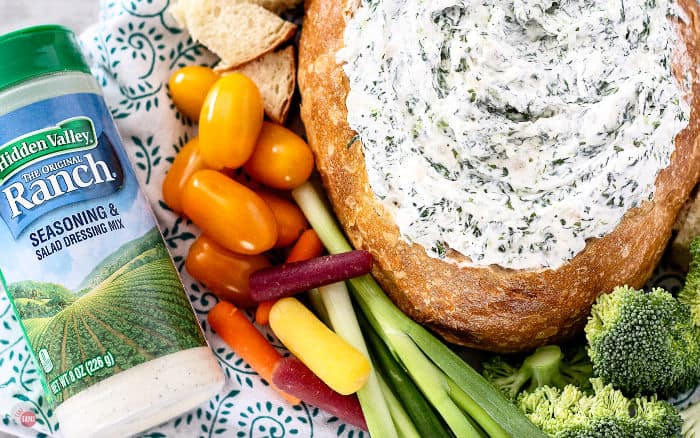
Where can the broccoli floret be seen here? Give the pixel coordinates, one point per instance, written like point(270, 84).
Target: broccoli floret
point(572, 413)
point(546, 366)
point(691, 421)
point(644, 343)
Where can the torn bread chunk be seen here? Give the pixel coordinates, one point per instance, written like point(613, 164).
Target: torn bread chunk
point(236, 31)
point(275, 75)
point(276, 6)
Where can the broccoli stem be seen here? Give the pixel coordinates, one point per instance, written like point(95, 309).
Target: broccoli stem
point(545, 365)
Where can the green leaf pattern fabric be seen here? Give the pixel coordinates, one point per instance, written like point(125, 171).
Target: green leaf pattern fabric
point(133, 49)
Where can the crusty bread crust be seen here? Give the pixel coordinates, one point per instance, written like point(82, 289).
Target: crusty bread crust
point(488, 308)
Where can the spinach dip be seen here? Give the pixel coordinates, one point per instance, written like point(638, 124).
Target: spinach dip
point(511, 131)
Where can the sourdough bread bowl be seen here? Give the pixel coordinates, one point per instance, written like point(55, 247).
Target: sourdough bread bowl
point(486, 307)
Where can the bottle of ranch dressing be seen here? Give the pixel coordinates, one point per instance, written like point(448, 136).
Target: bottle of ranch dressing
point(90, 279)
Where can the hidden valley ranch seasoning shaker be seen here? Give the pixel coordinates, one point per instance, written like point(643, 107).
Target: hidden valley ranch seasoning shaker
point(81, 259)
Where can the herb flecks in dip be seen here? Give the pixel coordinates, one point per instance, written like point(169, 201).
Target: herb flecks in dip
point(511, 131)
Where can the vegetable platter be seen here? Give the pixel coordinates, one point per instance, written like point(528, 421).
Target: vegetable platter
point(417, 386)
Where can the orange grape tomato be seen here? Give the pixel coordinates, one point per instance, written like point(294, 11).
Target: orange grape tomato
point(290, 220)
point(229, 213)
point(230, 121)
point(189, 87)
point(224, 272)
point(281, 159)
point(186, 163)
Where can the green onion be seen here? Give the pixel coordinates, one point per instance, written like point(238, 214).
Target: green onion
point(451, 386)
point(426, 375)
point(427, 422)
point(338, 307)
point(317, 303)
point(404, 424)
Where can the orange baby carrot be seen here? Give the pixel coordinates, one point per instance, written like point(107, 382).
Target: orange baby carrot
point(242, 336)
point(262, 313)
point(307, 247)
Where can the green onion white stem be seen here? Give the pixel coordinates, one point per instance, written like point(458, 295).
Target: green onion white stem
point(319, 308)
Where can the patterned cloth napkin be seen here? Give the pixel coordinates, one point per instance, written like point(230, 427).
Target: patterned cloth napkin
point(133, 49)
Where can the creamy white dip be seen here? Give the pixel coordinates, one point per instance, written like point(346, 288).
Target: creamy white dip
point(511, 131)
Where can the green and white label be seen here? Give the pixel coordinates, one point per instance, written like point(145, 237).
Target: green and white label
point(70, 135)
point(83, 262)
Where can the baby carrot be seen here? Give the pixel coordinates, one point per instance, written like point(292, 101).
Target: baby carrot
point(244, 339)
point(262, 313)
point(307, 247)
point(340, 365)
point(292, 278)
point(296, 378)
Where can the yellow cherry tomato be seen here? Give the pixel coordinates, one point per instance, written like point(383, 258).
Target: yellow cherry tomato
point(281, 159)
point(229, 213)
point(224, 272)
point(230, 122)
point(189, 87)
point(186, 163)
point(290, 220)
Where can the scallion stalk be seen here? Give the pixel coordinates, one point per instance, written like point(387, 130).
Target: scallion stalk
point(338, 307)
point(425, 357)
point(317, 304)
point(427, 421)
point(404, 424)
